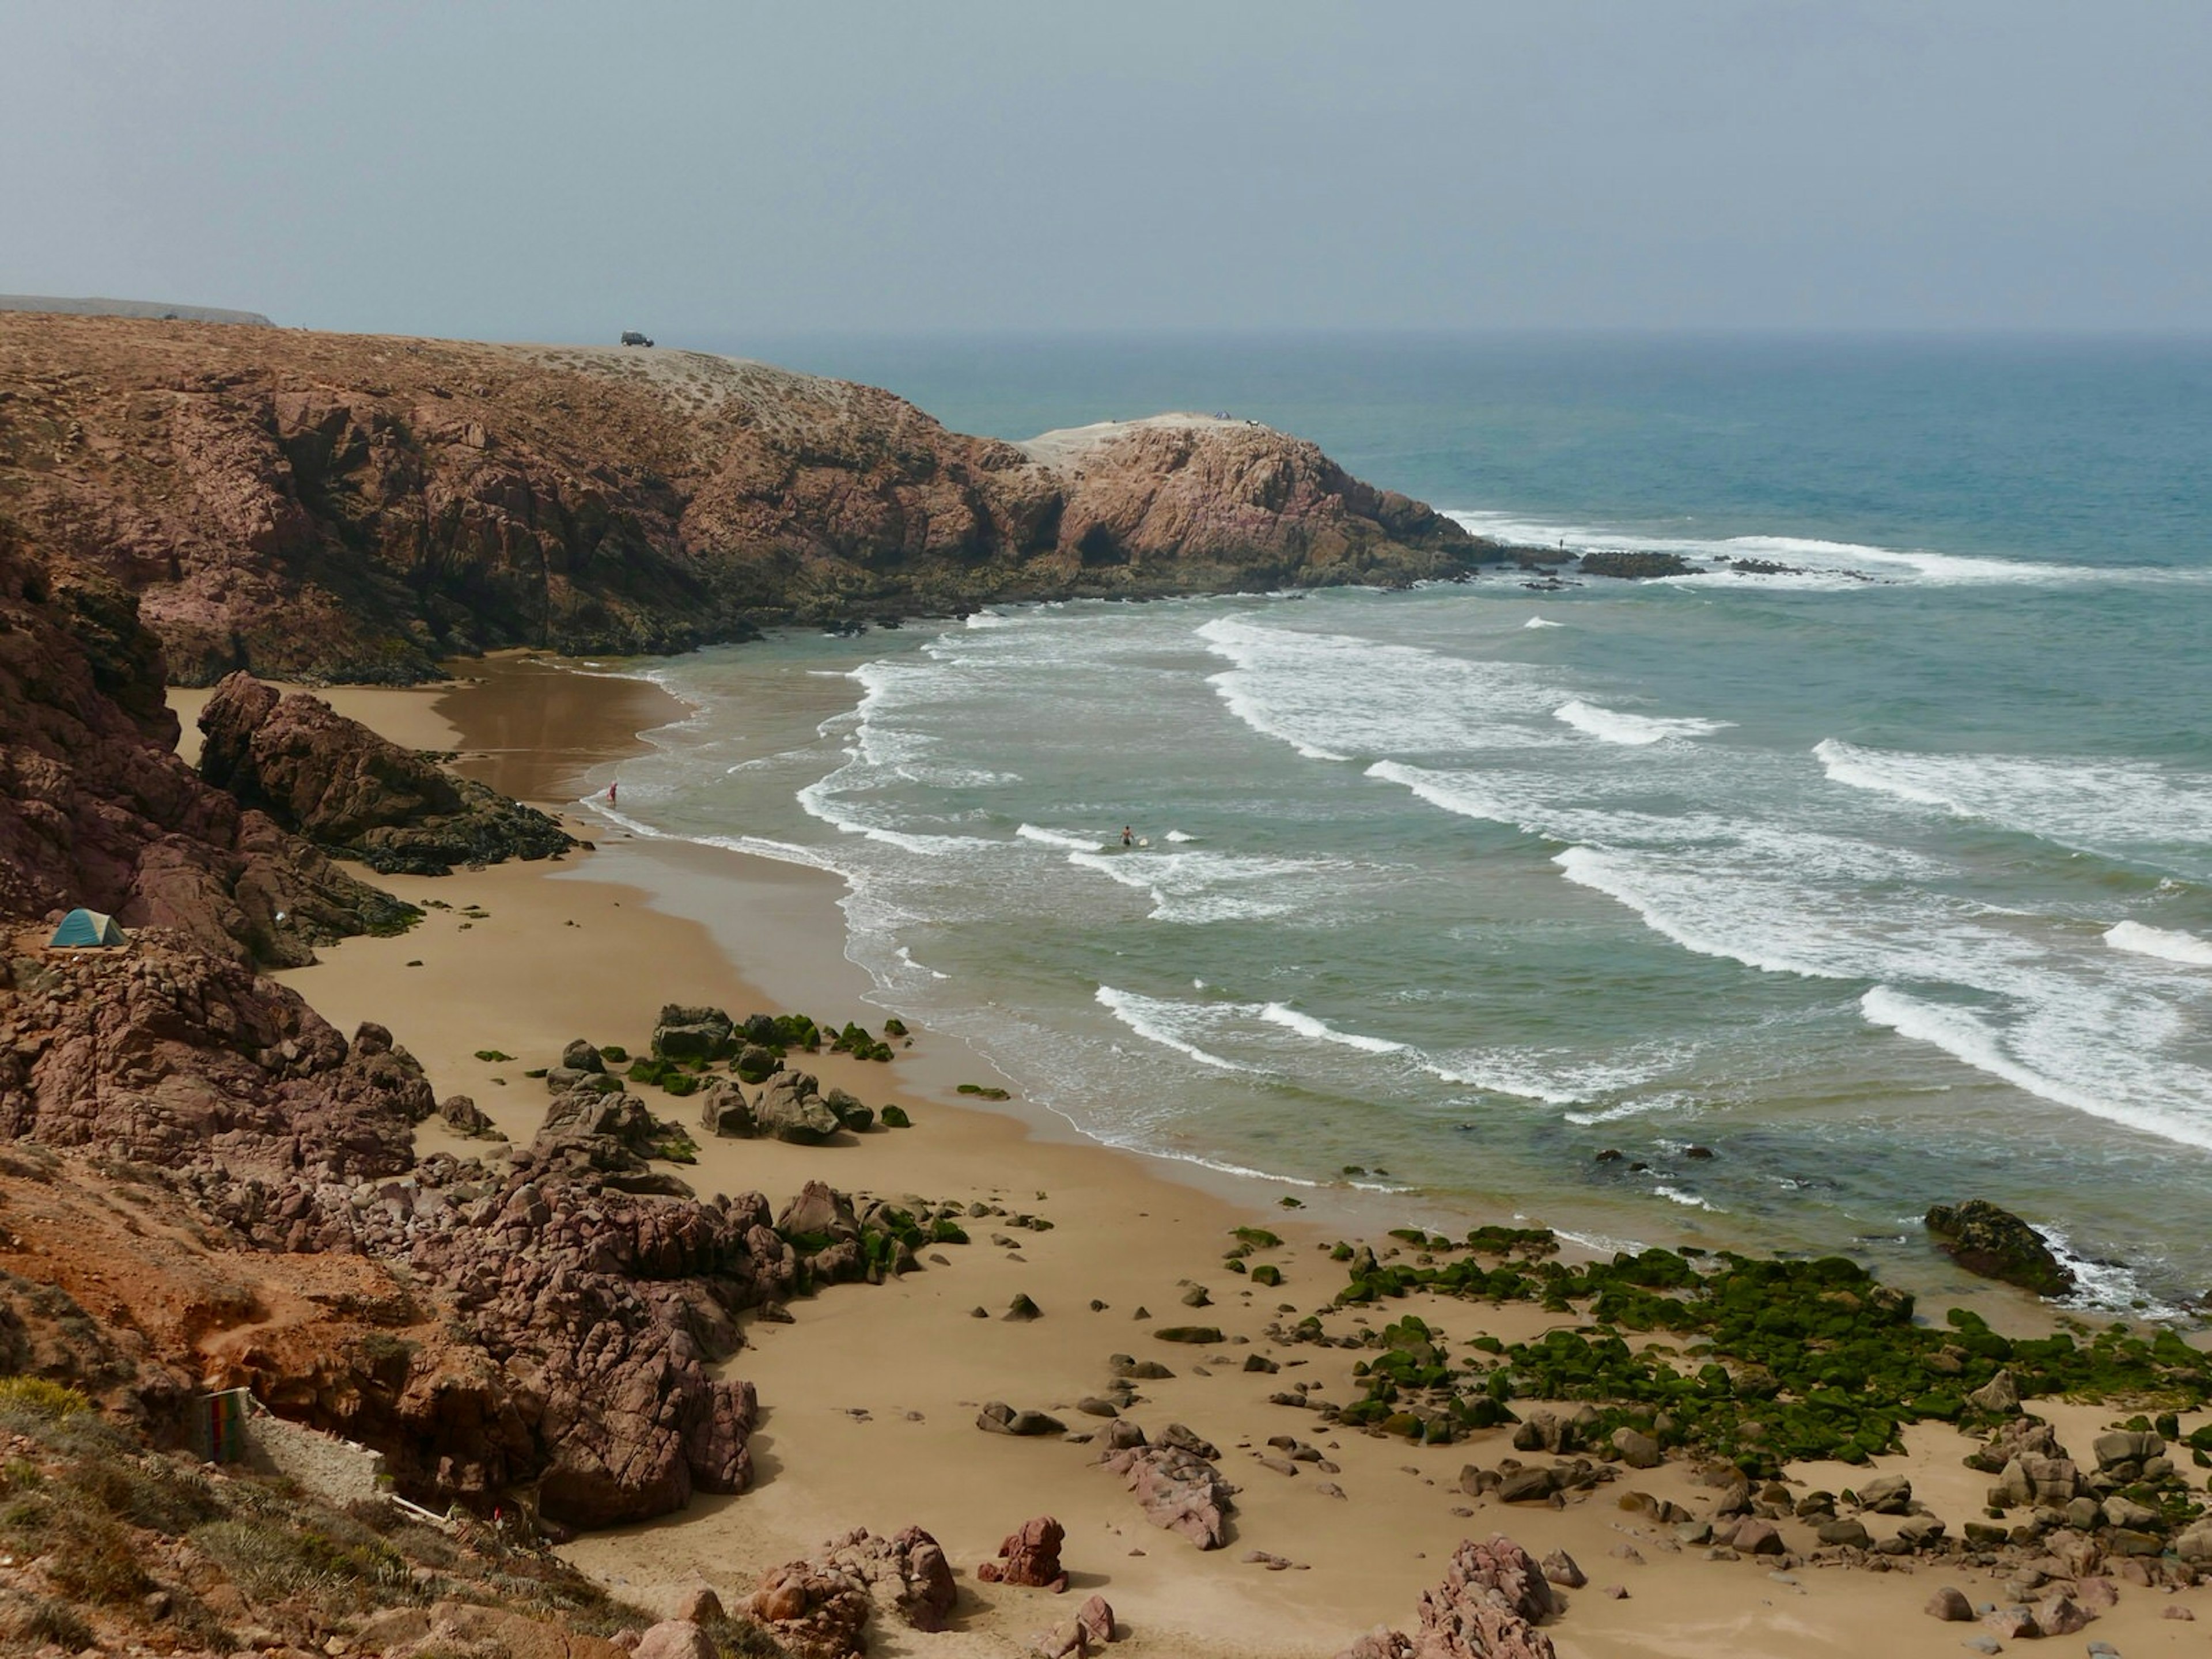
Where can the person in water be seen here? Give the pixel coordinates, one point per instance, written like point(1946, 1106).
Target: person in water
point(1128, 839)
point(610, 793)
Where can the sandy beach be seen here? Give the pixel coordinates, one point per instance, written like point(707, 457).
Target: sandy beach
point(870, 1394)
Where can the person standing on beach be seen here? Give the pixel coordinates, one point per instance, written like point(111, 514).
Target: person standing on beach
point(610, 793)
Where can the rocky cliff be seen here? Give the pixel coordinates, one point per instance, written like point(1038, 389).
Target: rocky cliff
point(487, 1326)
point(96, 809)
point(356, 794)
point(356, 507)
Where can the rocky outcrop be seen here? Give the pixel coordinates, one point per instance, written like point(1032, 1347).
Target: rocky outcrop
point(168, 1056)
point(356, 795)
point(544, 1324)
point(96, 809)
point(1997, 1244)
point(1628, 566)
point(1030, 1555)
point(1234, 504)
point(1487, 1606)
point(821, 1607)
point(1176, 1488)
point(356, 508)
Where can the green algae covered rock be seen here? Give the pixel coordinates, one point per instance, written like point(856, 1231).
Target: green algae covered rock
point(1997, 1244)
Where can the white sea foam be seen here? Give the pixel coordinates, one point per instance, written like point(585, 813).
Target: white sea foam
point(1178, 835)
point(2106, 1287)
point(1454, 796)
point(1203, 886)
point(1675, 1194)
point(1627, 1109)
point(1063, 838)
point(1816, 564)
point(1722, 920)
point(2098, 806)
point(1542, 622)
point(1154, 1020)
point(2065, 1056)
point(1276, 1013)
point(782, 852)
point(1613, 726)
point(2163, 943)
point(1332, 695)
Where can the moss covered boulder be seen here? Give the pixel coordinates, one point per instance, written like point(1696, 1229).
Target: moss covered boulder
point(1997, 1244)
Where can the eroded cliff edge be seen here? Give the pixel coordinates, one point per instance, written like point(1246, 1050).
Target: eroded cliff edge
point(356, 507)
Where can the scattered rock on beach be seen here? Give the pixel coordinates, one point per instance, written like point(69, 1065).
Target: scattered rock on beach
point(724, 1110)
point(687, 1033)
point(998, 1417)
point(848, 1111)
point(1950, 1605)
point(1028, 1556)
point(1639, 1451)
point(1558, 1568)
point(789, 1107)
point(465, 1116)
point(1097, 1618)
point(1177, 1489)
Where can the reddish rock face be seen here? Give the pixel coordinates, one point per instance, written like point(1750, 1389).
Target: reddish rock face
point(1029, 1556)
point(343, 786)
point(1487, 1606)
point(1177, 1489)
point(356, 508)
point(821, 1607)
point(558, 1327)
point(168, 1056)
point(95, 808)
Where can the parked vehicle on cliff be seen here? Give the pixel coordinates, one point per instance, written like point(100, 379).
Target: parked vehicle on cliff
point(631, 337)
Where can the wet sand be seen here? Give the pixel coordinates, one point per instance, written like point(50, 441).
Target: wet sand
point(869, 1397)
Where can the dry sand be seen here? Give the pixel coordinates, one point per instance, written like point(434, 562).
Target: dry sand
point(869, 1398)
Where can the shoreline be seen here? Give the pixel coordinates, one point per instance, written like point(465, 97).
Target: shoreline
point(868, 1395)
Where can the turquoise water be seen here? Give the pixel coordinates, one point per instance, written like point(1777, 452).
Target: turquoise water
point(1887, 879)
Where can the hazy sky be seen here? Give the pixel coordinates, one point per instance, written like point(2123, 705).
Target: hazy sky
point(561, 170)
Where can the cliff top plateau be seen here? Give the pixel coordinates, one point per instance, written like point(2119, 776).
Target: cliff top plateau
point(356, 507)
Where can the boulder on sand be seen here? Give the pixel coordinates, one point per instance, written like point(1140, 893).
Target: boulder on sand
point(689, 1034)
point(1030, 1556)
point(789, 1107)
point(724, 1110)
point(465, 1116)
point(850, 1112)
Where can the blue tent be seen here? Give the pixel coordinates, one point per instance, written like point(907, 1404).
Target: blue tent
point(82, 928)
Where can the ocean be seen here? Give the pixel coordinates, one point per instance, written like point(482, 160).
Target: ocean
point(1733, 910)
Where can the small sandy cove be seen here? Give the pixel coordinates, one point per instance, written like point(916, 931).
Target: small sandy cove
point(869, 1398)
